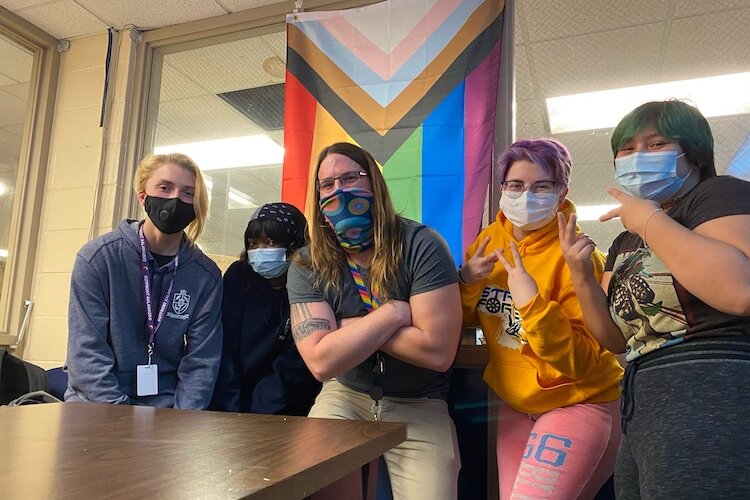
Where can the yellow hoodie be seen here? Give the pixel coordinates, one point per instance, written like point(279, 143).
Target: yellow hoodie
point(542, 355)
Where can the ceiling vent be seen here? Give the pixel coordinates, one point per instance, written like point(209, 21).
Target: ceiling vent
point(264, 106)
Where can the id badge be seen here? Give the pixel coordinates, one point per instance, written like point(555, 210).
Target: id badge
point(147, 380)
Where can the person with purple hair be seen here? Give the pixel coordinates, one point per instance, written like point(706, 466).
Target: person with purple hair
point(558, 426)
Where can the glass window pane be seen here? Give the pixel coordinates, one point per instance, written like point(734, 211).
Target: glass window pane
point(221, 102)
point(562, 49)
point(16, 68)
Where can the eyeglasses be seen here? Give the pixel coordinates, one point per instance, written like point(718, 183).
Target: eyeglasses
point(542, 189)
point(347, 179)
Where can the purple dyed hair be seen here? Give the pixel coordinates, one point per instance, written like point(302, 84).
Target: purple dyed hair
point(550, 154)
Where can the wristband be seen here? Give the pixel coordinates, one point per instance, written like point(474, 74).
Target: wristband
point(460, 278)
point(645, 225)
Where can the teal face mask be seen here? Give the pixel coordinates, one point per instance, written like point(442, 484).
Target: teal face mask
point(268, 262)
point(650, 175)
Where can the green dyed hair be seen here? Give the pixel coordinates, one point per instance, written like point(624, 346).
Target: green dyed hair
point(677, 121)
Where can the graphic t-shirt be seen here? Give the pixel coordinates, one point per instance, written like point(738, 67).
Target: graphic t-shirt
point(651, 308)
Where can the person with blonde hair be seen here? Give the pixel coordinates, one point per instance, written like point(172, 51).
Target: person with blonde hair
point(376, 315)
point(144, 321)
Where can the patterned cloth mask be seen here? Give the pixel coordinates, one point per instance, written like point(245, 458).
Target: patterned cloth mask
point(650, 175)
point(529, 211)
point(349, 212)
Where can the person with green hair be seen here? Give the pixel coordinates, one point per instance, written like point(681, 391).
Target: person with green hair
point(675, 297)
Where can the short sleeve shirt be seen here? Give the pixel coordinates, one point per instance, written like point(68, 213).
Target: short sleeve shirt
point(651, 308)
point(427, 265)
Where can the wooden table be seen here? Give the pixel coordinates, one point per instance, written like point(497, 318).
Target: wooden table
point(87, 450)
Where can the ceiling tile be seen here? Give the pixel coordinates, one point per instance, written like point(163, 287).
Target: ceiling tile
point(14, 5)
point(692, 7)
point(175, 85)
point(166, 136)
point(202, 119)
point(10, 143)
point(599, 61)
point(276, 43)
point(20, 90)
point(530, 119)
point(16, 62)
point(148, 14)
point(238, 5)
point(519, 36)
point(4, 80)
point(231, 66)
point(590, 146)
point(525, 88)
point(592, 193)
point(545, 20)
point(729, 134)
point(64, 19)
point(711, 44)
point(13, 108)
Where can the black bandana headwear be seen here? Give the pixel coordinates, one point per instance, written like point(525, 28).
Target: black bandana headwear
point(289, 218)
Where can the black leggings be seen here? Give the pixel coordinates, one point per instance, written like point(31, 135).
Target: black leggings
point(688, 435)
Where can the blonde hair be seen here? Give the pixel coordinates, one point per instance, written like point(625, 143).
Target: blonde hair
point(200, 196)
point(327, 258)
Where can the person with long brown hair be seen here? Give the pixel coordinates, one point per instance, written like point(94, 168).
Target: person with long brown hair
point(376, 315)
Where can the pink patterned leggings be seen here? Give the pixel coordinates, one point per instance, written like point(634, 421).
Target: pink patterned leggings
point(565, 453)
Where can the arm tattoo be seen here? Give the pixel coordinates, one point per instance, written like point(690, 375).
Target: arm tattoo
point(303, 324)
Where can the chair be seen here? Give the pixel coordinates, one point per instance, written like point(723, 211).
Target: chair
point(57, 382)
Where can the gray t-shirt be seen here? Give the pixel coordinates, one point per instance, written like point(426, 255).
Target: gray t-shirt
point(427, 265)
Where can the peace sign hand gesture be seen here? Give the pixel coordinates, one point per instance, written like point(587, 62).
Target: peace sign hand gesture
point(479, 266)
point(522, 286)
point(576, 248)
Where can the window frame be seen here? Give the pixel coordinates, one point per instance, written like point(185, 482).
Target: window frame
point(126, 206)
point(32, 169)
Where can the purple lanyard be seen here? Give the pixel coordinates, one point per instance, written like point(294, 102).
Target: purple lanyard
point(147, 294)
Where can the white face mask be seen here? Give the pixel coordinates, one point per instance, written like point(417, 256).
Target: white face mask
point(529, 211)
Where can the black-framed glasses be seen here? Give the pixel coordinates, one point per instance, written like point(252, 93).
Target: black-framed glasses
point(347, 179)
point(542, 189)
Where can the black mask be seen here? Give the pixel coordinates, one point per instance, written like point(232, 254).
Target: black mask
point(169, 215)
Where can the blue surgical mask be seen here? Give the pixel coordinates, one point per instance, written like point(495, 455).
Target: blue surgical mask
point(650, 175)
point(349, 212)
point(268, 262)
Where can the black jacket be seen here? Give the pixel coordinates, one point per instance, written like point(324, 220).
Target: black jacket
point(261, 370)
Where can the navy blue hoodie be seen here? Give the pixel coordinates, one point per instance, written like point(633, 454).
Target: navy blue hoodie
point(107, 324)
point(261, 369)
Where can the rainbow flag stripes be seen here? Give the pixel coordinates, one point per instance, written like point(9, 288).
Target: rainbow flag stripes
point(414, 82)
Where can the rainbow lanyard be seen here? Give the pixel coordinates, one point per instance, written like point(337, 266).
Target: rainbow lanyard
point(370, 301)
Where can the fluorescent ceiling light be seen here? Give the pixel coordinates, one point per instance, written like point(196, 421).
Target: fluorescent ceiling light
point(593, 212)
point(233, 152)
point(714, 96)
point(3, 253)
